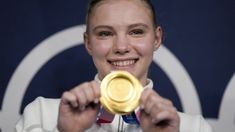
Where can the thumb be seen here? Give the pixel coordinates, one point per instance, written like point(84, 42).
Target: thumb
point(144, 119)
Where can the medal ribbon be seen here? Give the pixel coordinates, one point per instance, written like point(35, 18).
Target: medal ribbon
point(104, 116)
point(132, 118)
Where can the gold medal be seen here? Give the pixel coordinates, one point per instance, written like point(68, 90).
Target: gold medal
point(120, 92)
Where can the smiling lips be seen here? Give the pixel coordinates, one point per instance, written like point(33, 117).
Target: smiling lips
point(123, 63)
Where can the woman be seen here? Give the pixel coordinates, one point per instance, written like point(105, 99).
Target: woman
point(120, 35)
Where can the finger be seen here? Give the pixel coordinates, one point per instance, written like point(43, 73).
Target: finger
point(158, 105)
point(150, 104)
point(163, 110)
point(96, 91)
point(162, 105)
point(89, 94)
point(165, 117)
point(167, 102)
point(143, 115)
point(147, 99)
point(144, 96)
point(144, 119)
point(92, 92)
point(80, 95)
point(69, 99)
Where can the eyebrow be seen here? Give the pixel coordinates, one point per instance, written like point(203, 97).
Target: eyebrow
point(129, 26)
point(102, 26)
point(138, 25)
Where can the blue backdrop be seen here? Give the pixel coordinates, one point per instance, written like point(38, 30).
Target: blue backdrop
point(199, 33)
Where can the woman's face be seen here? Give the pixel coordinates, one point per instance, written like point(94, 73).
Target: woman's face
point(121, 36)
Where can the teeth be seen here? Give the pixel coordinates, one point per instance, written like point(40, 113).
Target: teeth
point(123, 63)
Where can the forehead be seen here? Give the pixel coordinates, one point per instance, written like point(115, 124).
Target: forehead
point(96, 3)
point(140, 3)
point(121, 9)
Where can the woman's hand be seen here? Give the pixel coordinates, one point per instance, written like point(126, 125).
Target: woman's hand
point(79, 108)
point(157, 113)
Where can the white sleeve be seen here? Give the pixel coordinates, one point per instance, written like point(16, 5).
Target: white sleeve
point(193, 123)
point(39, 116)
point(205, 127)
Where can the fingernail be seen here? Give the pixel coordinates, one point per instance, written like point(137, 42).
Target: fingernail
point(96, 101)
point(74, 104)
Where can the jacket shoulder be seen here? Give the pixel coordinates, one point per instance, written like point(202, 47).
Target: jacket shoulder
point(42, 113)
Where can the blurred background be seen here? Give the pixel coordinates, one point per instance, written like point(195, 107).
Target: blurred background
point(42, 54)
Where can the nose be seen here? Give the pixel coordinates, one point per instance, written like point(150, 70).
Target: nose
point(121, 45)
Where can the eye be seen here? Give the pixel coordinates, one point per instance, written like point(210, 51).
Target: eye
point(104, 34)
point(136, 32)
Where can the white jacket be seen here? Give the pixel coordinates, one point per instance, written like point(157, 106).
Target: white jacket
point(41, 116)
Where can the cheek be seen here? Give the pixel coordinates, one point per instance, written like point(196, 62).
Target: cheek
point(145, 49)
point(100, 49)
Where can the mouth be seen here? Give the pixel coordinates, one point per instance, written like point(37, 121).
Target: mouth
point(123, 63)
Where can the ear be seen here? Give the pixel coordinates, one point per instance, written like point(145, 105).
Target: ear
point(158, 37)
point(87, 43)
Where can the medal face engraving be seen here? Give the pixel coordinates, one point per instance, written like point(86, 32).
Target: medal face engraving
point(120, 92)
